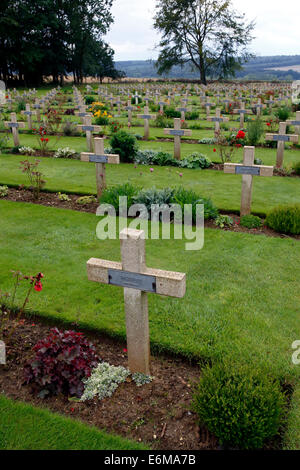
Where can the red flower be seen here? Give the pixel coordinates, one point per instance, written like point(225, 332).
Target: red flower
point(215, 150)
point(38, 286)
point(240, 135)
point(268, 123)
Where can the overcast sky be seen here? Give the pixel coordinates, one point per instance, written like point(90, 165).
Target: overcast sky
point(277, 27)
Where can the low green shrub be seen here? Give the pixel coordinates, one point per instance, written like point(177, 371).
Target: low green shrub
point(250, 221)
point(296, 168)
point(162, 122)
point(152, 157)
point(240, 406)
point(89, 99)
point(153, 196)
point(3, 191)
point(111, 195)
point(255, 130)
point(223, 221)
point(184, 196)
point(196, 160)
point(124, 144)
point(171, 112)
point(285, 219)
point(283, 113)
point(85, 200)
point(192, 116)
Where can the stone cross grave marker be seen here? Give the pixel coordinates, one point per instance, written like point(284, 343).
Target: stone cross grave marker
point(247, 169)
point(147, 117)
point(281, 138)
point(28, 113)
point(295, 122)
point(14, 126)
point(208, 105)
point(183, 110)
point(259, 106)
point(177, 132)
point(129, 108)
point(37, 108)
point(100, 158)
point(242, 111)
point(118, 102)
point(88, 128)
point(217, 119)
point(82, 113)
point(137, 280)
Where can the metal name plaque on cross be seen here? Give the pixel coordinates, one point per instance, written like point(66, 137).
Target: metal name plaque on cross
point(175, 132)
point(216, 119)
point(130, 280)
point(28, 113)
point(247, 170)
point(98, 159)
point(88, 128)
point(146, 116)
point(82, 114)
point(281, 138)
point(13, 124)
point(182, 110)
point(295, 123)
point(243, 111)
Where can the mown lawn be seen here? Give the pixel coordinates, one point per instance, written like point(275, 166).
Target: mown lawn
point(242, 298)
point(24, 427)
point(64, 175)
point(267, 155)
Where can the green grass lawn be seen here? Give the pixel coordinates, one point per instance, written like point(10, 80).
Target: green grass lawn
point(242, 290)
point(225, 190)
point(267, 155)
point(24, 427)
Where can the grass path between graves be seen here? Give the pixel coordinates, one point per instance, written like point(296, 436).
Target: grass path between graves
point(24, 427)
point(241, 305)
point(267, 155)
point(74, 176)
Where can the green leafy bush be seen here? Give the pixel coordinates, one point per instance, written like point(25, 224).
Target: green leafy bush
point(162, 121)
point(85, 200)
point(152, 157)
point(192, 116)
point(285, 219)
point(89, 99)
point(255, 130)
point(223, 221)
point(111, 195)
point(196, 160)
point(250, 221)
point(3, 191)
point(296, 168)
point(241, 407)
point(152, 196)
point(124, 144)
point(171, 112)
point(283, 113)
point(184, 196)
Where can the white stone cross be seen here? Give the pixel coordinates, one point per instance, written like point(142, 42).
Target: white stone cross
point(177, 132)
point(37, 108)
point(242, 111)
point(295, 122)
point(217, 119)
point(100, 158)
point(129, 108)
point(247, 169)
point(137, 280)
point(183, 110)
point(147, 117)
point(281, 138)
point(28, 113)
point(14, 126)
point(88, 128)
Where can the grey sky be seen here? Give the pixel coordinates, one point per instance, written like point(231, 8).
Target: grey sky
point(277, 27)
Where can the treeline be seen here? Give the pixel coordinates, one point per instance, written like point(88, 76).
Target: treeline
point(56, 38)
point(257, 68)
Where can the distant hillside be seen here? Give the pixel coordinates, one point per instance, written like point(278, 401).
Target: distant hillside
point(261, 68)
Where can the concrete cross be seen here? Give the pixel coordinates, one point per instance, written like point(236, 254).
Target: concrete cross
point(270, 103)
point(29, 115)
point(88, 128)
point(281, 138)
point(14, 126)
point(136, 97)
point(37, 108)
point(217, 119)
point(129, 108)
point(100, 158)
point(295, 123)
point(242, 111)
point(177, 132)
point(183, 110)
point(137, 279)
point(207, 106)
point(259, 106)
point(118, 102)
point(147, 117)
point(247, 169)
point(82, 113)
point(161, 106)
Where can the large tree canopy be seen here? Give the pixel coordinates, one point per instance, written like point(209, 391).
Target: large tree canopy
point(44, 38)
point(208, 34)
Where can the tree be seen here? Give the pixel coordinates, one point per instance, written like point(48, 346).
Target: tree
point(207, 34)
